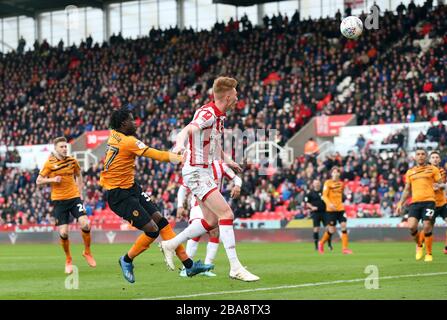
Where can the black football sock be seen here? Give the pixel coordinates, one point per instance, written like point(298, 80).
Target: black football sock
point(316, 239)
point(127, 258)
point(188, 263)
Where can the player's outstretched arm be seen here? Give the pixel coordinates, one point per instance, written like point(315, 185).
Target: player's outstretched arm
point(163, 156)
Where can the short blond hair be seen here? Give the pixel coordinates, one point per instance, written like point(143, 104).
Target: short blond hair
point(59, 139)
point(222, 85)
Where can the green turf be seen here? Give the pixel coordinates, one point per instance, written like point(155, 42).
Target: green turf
point(36, 272)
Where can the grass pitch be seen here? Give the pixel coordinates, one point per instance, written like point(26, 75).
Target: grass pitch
point(287, 271)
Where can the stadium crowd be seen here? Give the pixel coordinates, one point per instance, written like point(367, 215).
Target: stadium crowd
point(370, 178)
point(288, 71)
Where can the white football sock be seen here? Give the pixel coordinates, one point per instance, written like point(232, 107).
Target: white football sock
point(195, 229)
point(211, 251)
point(191, 248)
point(227, 237)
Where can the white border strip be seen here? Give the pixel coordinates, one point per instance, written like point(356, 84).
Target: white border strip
point(303, 285)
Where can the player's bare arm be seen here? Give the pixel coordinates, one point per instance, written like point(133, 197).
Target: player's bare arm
point(182, 138)
point(80, 183)
point(228, 161)
point(403, 199)
point(181, 201)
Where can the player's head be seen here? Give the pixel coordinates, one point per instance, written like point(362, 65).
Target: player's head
point(316, 184)
point(60, 146)
point(335, 173)
point(224, 91)
point(435, 158)
point(421, 156)
point(122, 121)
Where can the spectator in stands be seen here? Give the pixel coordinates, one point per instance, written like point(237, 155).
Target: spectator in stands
point(338, 15)
point(348, 10)
point(361, 142)
point(357, 197)
point(365, 180)
point(21, 45)
point(311, 147)
point(420, 138)
point(366, 196)
point(401, 9)
point(433, 133)
point(386, 210)
point(374, 198)
point(382, 189)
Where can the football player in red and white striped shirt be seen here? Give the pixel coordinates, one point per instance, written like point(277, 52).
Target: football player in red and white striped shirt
point(220, 171)
point(203, 138)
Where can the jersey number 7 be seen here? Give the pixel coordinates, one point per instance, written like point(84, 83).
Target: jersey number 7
point(110, 156)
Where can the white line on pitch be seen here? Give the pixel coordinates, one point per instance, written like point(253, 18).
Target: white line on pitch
point(303, 285)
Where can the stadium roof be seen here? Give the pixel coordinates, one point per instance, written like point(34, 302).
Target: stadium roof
point(244, 3)
point(10, 8)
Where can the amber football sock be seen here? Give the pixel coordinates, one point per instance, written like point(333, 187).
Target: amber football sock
point(421, 239)
point(142, 244)
point(344, 239)
point(326, 237)
point(65, 243)
point(428, 243)
point(86, 237)
point(416, 237)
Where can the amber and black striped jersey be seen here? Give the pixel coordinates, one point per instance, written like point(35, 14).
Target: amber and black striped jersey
point(333, 194)
point(119, 164)
point(67, 169)
point(422, 179)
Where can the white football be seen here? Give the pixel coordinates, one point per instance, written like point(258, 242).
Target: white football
point(351, 27)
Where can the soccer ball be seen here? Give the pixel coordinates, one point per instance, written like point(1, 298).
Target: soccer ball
point(351, 27)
